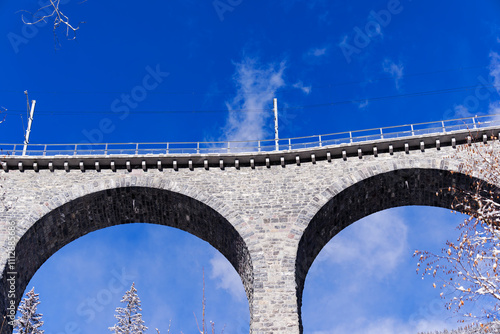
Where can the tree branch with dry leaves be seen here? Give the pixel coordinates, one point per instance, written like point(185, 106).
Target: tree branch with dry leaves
point(467, 270)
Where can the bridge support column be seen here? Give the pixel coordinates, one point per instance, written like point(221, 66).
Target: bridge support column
point(274, 306)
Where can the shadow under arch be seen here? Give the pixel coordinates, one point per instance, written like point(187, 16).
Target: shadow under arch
point(403, 187)
point(117, 206)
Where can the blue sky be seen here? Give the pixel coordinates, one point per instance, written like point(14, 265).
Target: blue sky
point(171, 70)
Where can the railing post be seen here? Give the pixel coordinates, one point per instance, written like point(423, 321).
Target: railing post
point(350, 136)
point(320, 142)
point(412, 132)
point(289, 144)
point(168, 148)
point(198, 148)
point(14, 150)
point(228, 146)
point(381, 134)
point(474, 121)
point(444, 128)
point(136, 148)
point(106, 149)
point(258, 145)
point(45, 150)
point(76, 149)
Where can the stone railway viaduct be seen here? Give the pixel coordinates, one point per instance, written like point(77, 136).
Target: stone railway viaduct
point(268, 213)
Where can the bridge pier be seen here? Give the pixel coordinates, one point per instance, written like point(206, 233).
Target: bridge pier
point(274, 306)
point(274, 310)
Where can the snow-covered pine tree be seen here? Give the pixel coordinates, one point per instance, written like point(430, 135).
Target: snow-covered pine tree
point(129, 317)
point(29, 321)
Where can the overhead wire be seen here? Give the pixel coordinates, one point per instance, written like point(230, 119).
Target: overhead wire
point(346, 83)
point(350, 101)
point(380, 98)
point(390, 78)
point(104, 112)
point(343, 102)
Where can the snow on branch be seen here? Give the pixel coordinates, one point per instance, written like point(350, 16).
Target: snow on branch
point(29, 320)
point(129, 317)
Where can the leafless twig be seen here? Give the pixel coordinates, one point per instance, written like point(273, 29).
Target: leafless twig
point(49, 12)
point(2, 110)
point(204, 328)
point(468, 268)
point(168, 331)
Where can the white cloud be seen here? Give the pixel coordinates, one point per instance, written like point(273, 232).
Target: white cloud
point(494, 107)
point(395, 70)
point(317, 52)
point(325, 18)
point(316, 55)
point(368, 284)
point(389, 326)
point(376, 243)
point(227, 277)
point(495, 69)
point(461, 111)
point(257, 85)
point(363, 105)
point(300, 85)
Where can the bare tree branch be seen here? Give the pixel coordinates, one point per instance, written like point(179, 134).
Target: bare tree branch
point(467, 269)
point(204, 327)
point(2, 110)
point(50, 12)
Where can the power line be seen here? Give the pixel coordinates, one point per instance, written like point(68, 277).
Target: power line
point(352, 101)
point(346, 83)
point(380, 98)
point(104, 112)
point(404, 76)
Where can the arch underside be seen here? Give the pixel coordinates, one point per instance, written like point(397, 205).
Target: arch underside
point(121, 206)
point(397, 188)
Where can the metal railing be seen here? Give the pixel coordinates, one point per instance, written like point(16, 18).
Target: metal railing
point(227, 147)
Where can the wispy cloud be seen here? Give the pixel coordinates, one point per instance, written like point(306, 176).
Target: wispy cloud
point(227, 277)
point(473, 103)
point(461, 111)
point(317, 52)
point(495, 69)
point(257, 85)
point(389, 326)
point(365, 280)
point(317, 55)
point(494, 107)
point(363, 105)
point(395, 70)
point(377, 245)
point(325, 18)
point(300, 85)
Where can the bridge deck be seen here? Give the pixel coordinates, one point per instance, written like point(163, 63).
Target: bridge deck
point(251, 153)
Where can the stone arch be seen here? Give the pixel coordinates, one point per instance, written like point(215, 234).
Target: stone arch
point(400, 187)
point(121, 205)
